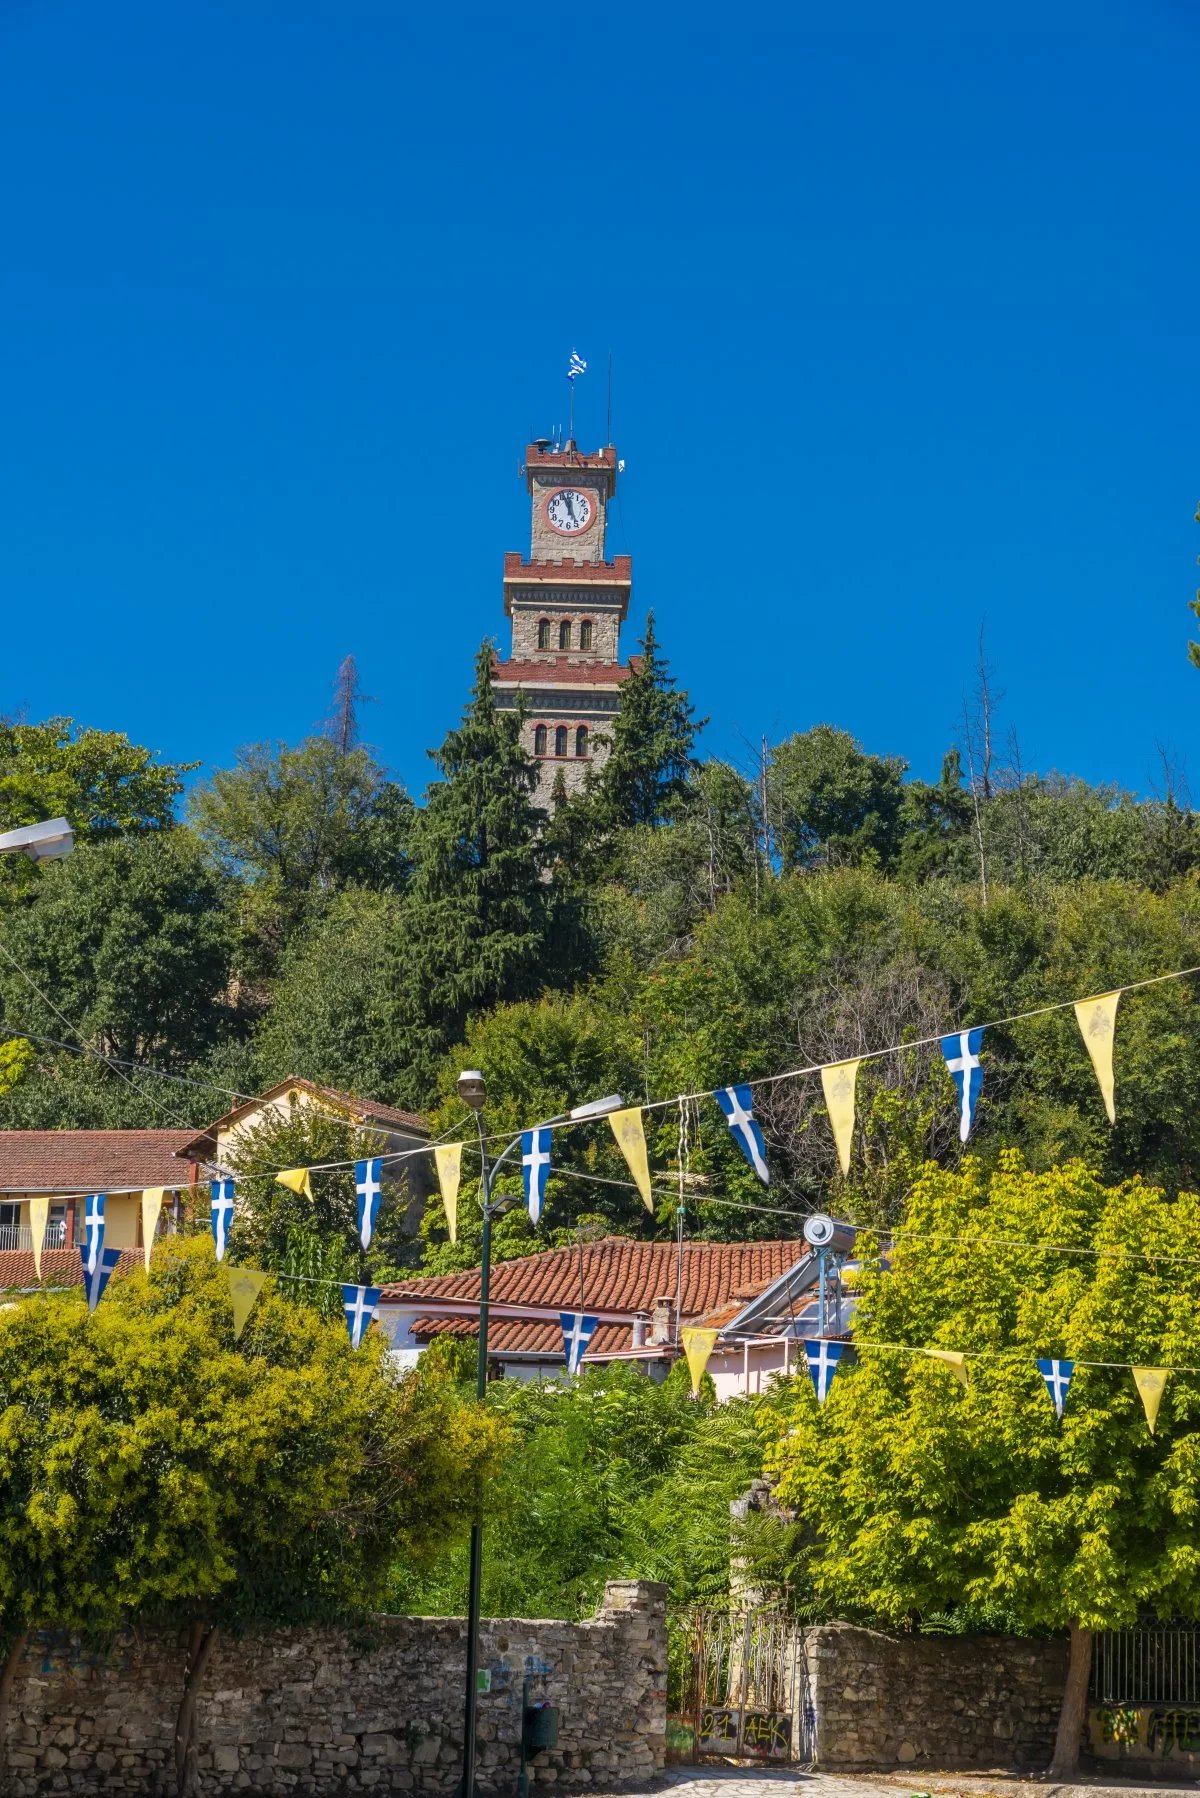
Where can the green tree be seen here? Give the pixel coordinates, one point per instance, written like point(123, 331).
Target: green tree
point(928, 1499)
point(644, 779)
point(150, 1464)
point(317, 817)
point(97, 779)
point(832, 802)
point(130, 941)
point(475, 929)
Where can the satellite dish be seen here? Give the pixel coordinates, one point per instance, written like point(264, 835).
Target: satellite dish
point(821, 1232)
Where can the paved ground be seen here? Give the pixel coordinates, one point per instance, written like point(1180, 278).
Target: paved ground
point(726, 1781)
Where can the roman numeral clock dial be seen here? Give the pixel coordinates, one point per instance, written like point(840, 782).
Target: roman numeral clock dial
point(569, 510)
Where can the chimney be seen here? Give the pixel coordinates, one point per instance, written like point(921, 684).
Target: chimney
point(662, 1326)
point(641, 1324)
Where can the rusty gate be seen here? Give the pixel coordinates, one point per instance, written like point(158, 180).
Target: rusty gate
point(738, 1687)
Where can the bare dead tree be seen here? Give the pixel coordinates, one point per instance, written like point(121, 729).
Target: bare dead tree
point(342, 723)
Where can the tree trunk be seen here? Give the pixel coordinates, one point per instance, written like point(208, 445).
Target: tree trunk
point(8, 1673)
point(1065, 1764)
point(202, 1639)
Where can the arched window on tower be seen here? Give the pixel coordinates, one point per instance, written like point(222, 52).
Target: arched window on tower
point(585, 634)
point(581, 740)
point(560, 740)
point(539, 739)
point(543, 633)
point(564, 634)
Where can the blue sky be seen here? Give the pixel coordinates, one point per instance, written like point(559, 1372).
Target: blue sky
point(904, 329)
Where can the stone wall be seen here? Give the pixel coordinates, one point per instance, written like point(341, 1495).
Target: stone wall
point(375, 1708)
point(941, 1701)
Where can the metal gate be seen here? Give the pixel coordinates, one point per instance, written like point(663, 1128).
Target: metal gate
point(738, 1687)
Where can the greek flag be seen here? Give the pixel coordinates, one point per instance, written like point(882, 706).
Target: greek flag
point(823, 1358)
point(535, 1169)
point(368, 1176)
point(359, 1302)
point(221, 1194)
point(966, 1071)
point(1057, 1375)
point(577, 1333)
point(93, 1233)
point(96, 1276)
point(578, 366)
point(737, 1104)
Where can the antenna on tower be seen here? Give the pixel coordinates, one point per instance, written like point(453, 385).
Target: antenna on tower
point(610, 399)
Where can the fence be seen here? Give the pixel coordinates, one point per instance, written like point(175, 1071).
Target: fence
point(738, 1687)
point(1146, 1666)
point(20, 1236)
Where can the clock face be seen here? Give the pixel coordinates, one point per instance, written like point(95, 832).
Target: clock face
point(570, 510)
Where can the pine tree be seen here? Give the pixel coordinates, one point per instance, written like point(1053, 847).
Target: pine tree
point(477, 917)
point(644, 780)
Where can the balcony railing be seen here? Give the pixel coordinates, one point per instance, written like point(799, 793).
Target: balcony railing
point(20, 1236)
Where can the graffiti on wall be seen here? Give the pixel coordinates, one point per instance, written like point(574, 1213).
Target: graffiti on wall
point(1153, 1730)
point(767, 1735)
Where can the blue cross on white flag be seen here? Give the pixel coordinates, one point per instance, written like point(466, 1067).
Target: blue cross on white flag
point(578, 367)
point(1057, 1375)
point(368, 1178)
point(93, 1231)
point(577, 1333)
point(822, 1358)
point(221, 1192)
point(359, 1302)
point(535, 1168)
point(737, 1104)
point(95, 1277)
point(966, 1071)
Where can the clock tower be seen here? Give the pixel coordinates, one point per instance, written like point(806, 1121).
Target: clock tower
point(566, 604)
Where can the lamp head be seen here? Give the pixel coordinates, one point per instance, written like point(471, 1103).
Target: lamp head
point(472, 1088)
point(598, 1108)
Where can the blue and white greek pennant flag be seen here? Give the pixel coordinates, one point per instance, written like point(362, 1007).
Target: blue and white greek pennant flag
point(96, 1277)
point(221, 1193)
point(92, 1245)
point(359, 1302)
point(966, 1071)
point(535, 1169)
point(1057, 1375)
point(737, 1103)
point(577, 367)
point(368, 1185)
point(577, 1333)
point(823, 1358)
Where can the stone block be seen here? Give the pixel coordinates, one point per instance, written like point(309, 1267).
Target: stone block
point(293, 1754)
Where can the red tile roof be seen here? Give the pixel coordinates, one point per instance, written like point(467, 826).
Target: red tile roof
point(618, 1275)
point(367, 1111)
point(93, 1160)
point(60, 1267)
point(562, 673)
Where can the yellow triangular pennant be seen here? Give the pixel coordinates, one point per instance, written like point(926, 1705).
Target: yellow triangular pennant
point(697, 1346)
point(245, 1284)
point(39, 1217)
point(954, 1359)
point(1097, 1020)
point(838, 1082)
point(296, 1179)
point(1150, 1382)
point(448, 1156)
point(631, 1140)
point(152, 1203)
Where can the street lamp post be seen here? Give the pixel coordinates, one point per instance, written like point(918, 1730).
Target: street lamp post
point(40, 842)
point(472, 1090)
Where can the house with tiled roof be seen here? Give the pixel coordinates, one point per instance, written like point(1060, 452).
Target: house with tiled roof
point(758, 1295)
point(64, 1166)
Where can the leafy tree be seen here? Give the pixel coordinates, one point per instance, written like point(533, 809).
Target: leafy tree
point(476, 925)
point(151, 1464)
point(644, 779)
point(130, 941)
point(317, 817)
point(16, 1059)
point(926, 1498)
point(126, 939)
point(98, 780)
point(835, 803)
